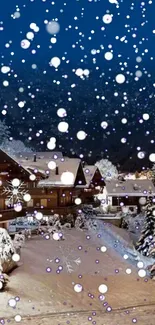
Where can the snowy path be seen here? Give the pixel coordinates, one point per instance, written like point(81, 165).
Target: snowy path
point(49, 298)
point(111, 239)
point(143, 314)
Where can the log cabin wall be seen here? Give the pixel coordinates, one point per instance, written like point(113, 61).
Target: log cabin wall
point(97, 179)
point(51, 197)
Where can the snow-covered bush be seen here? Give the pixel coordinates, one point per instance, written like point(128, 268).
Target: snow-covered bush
point(27, 233)
point(7, 250)
point(107, 169)
point(53, 226)
point(80, 222)
point(19, 242)
point(151, 269)
point(68, 219)
point(134, 223)
point(4, 279)
point(53, 219)
point(86, 222)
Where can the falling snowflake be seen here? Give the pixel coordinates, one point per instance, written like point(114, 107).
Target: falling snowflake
point(68, 261)
point(15, 194)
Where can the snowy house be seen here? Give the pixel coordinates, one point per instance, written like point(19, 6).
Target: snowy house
point(10, 170)
point(94, 182)
point(46, 182)
point(59, 181)
point(128, 193)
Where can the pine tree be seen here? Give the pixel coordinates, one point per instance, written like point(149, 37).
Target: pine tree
point(153, 173)
point(107, 169)
point(146, 243)
point(4, 131)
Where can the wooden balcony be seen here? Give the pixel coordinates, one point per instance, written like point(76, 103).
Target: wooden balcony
point(10, 214)
point(58, 210)
point(90, 192)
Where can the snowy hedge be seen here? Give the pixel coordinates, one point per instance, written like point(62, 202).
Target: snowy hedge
point(7, 250)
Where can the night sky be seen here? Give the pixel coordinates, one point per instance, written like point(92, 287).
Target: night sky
point(105, 79)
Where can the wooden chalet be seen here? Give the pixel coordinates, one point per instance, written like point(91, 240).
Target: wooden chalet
point(94, 183)
point(9, 170)
point(129, 193)
point(52, 182)
point(49, 193)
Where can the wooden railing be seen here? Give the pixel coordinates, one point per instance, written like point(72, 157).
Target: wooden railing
point(10, 214)
point(49, 211)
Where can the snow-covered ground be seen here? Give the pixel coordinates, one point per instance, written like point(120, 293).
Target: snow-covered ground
point(45, 295)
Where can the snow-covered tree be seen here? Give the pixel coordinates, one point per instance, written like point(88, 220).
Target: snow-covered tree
point(153, 173)
point(107, 169)
point(146, 242)
point(7, 250)
point(4, 131)
point(14, 146)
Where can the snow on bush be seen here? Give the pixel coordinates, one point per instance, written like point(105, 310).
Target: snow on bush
point(19, 242)
point(131, 222)
point(54, 225)
point(7, 250)
point(85, 221)
point(107, 169)
point(27, 233)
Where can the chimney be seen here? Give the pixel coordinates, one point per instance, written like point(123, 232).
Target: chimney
point(57, 171)
point(83, 164)
point(34, 158)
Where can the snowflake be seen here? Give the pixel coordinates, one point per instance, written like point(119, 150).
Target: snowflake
point(15, 194)
point(69, 261)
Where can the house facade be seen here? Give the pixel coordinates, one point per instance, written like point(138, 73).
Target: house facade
point(45, 182)
point(9, 171)
point(58, 182)
point(94, 183)
point(128, 193)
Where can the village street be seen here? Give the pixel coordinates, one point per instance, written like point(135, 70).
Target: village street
point(47, 297)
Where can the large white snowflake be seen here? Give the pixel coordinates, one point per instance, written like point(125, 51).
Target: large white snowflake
point(13, 193)
point(68, 261)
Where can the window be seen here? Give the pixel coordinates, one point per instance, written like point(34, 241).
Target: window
point(44, 202)
point(30, 203)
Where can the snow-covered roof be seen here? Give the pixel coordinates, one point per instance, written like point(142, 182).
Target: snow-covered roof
point(89, 171)
point(138, 187)
point(67, 165)
point(29, 156)
point(64, 164)
point(14, 159)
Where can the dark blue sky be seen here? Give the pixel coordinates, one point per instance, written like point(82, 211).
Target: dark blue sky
point(16, 29)
point(82, 42)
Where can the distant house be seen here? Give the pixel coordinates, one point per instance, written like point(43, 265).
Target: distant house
point(128, 193)
point(94, 182)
